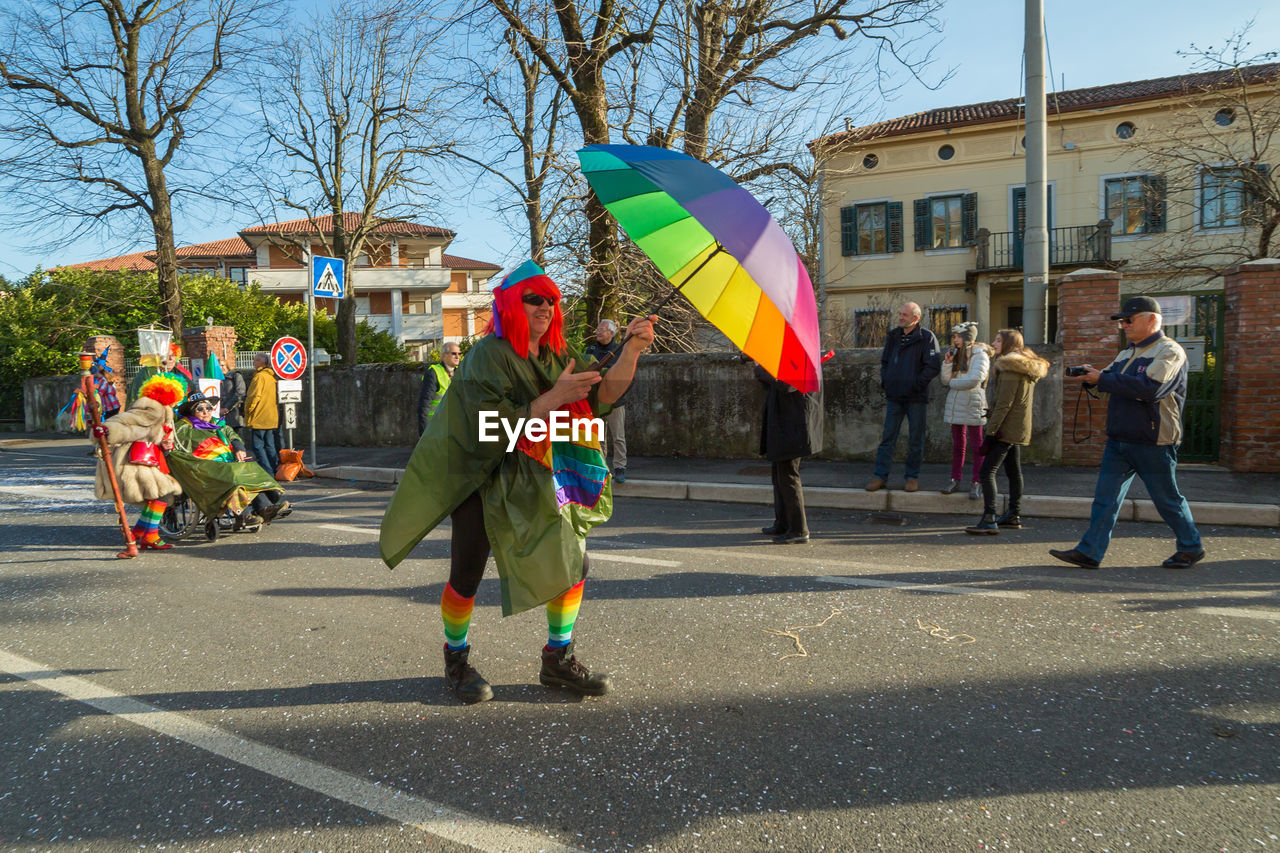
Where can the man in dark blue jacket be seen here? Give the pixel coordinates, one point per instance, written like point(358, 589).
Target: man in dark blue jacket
point(1148, 387)
point(908, 364)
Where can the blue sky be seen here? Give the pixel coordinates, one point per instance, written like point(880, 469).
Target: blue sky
point(1091, 43)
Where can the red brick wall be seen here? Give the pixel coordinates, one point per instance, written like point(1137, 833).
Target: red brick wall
point(1086, 301)
point(115, 359)
point(1250, 394)
point(221, 340)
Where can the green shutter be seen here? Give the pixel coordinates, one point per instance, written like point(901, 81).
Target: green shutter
point(1155, 206)
point(924, 229)
point(1257, 201)
point(969, 219)
point(848, 231)
point(895, 226)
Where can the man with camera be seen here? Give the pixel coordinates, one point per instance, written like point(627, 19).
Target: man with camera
point(1147, 384)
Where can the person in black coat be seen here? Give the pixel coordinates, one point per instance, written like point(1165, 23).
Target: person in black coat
point(791, 430)
point(909, 362)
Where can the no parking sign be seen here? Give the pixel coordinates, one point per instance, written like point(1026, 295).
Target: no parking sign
point(288, 358)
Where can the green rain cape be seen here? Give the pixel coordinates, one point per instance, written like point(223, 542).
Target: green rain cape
point(537, 511)
point(204, 463)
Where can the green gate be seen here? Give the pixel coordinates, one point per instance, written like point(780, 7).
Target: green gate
point(1199, 328)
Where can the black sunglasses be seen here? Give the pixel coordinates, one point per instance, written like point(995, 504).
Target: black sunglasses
point(203, 407)
point(537, 299)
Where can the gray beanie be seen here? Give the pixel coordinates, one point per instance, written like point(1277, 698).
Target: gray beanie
point(968, 332)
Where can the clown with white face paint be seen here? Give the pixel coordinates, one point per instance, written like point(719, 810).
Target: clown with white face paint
point(531, 500)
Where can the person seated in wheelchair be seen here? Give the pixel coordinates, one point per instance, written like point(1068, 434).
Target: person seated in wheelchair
point(210, 461)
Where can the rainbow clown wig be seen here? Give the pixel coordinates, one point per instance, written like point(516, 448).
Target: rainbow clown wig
point(508, 320)
point(165, 388)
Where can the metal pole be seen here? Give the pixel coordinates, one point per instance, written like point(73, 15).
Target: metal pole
point(1035, 262)
point(311, 371)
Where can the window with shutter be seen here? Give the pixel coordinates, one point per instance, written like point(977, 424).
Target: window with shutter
point(848, 246)
point(895, 226)
point(924, 232)
point(969, 218)
point(944, 222)
point(1222, 197)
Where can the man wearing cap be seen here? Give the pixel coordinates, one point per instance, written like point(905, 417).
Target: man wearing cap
point(1147, 384)
point(605, 348)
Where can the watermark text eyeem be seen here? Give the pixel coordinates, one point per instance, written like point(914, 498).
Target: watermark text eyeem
point(560, 426)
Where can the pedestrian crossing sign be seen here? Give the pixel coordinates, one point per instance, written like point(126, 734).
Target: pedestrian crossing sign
point(326, 277)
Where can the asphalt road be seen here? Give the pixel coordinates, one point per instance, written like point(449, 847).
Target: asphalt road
point(889, 686)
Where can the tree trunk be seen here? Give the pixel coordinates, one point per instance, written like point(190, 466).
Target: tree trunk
point(170, 291)
point(601, 295)
point(346, 319)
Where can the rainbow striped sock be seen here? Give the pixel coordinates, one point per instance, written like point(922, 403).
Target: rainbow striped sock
point(150, 521)
point(456, 613)
point(562, 612)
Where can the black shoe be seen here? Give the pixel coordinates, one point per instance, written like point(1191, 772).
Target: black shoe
point(467, 684)
point(1075, 558)
point(1011, 520)
point(272, 512)
point(773, 530)
point(561, 668)
point(620, 475)
point(791, 539)
point(1183, 560)
point(986, 526)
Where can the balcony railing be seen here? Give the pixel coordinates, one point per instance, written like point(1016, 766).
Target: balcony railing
point(1075, 244)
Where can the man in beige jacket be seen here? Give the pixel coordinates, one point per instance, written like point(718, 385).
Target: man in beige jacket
point(262, 414)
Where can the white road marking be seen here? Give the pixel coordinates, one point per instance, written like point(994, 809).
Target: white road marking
point(327, 497)
point(930, 587)
point(434, 818)
point(351, 528)
point(1240, 612)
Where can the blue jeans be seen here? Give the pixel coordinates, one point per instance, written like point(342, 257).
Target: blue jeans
point(1155, 464)
point(265, 452)
point(894, 412)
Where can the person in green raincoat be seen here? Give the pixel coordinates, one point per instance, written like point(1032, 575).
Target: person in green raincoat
point(216, 471)
point(529, 499)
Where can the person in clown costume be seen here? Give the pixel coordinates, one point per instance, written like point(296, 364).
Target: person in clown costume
point(531, 506)
point(137, 439)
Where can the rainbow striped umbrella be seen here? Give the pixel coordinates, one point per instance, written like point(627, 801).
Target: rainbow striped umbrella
point(719, 247)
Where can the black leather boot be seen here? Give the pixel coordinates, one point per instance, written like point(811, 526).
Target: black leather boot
point(467, 684)
point(1010, 519)
point(986, 526)
point(560, 668)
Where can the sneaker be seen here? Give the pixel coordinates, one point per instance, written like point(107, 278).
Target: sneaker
point(986, 526)
point(950, 487)
point(1183, 560)
point(875, 485)
point(561, 668)
point(1011, 520)
point(467, 684)
point(1075, 558)
point(791, 539)
point(975, 492)
point(620, 475)
point(912, 485)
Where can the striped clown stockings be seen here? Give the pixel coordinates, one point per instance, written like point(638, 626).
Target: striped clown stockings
point(562, 612)
point(455, 611)
point(147, 530)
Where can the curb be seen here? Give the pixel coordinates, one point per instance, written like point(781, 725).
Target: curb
point(1034, 506)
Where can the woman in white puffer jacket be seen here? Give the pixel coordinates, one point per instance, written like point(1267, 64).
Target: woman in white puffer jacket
point(964, 372)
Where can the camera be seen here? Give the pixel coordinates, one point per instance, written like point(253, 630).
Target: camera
point(1077, 371)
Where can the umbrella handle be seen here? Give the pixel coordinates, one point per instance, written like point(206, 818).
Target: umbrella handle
point(675, 289)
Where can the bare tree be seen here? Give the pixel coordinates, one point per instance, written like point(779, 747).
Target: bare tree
point(353, 119)
point(1211, 196)
point(519, 96)
point(100, 99)
point(578, 60)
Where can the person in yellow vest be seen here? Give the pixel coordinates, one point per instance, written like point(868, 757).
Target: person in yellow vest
point(262, 415)
point(435, 381)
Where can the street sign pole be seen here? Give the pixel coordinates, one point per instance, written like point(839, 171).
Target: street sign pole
point(311, 369)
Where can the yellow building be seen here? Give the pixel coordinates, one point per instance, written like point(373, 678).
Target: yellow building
point(929, 207)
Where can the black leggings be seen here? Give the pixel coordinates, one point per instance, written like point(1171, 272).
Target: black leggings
point(469, 547)
point(1010, 455)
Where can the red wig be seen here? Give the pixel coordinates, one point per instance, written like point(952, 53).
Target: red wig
point(508, 320)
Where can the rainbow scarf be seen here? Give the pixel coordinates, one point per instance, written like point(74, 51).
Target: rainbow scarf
point(578, 468)
point(212, 447)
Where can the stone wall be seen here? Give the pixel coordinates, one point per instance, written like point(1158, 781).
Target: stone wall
point(679, 405)
point(1250, 395)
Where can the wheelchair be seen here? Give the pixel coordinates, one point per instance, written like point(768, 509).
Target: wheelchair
point(182, 518)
